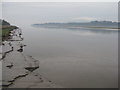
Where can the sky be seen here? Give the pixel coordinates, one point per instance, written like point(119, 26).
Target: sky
point(60, 0)
point(44, 12)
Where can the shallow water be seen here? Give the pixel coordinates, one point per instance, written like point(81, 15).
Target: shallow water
point(75, 58)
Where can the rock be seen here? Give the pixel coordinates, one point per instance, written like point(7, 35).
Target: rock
point(10, 65)
point(20, 50)
point(31, 69)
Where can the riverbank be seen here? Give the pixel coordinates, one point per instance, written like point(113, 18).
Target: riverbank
point(94, 25)
point(5, 30)
point(18, 70)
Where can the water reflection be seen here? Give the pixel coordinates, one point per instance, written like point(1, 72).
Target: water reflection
point(75, 57)
point(102, 31)
point(84, 30)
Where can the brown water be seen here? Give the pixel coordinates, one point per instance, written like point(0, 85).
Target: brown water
point(75, 58)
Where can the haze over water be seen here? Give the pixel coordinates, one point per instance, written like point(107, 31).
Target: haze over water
point(69, 57)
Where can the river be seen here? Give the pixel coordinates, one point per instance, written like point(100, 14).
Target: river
point(75, 58)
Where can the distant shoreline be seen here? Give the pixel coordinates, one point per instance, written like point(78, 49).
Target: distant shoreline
point(106, 25)
point(94, 28)
point(105, 28)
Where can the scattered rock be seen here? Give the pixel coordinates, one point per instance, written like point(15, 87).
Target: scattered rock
point(10, 65)
point(20, 50)
point(31, 69)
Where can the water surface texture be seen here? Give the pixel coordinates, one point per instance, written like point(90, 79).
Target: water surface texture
point(75, 58)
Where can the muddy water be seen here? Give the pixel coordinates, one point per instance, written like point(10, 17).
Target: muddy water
point(75, 58)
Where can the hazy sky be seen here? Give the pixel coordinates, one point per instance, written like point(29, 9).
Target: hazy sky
point(41, 12)
point(60, 0)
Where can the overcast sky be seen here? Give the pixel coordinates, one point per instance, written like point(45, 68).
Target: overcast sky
point(42, 12)
point(60, 0)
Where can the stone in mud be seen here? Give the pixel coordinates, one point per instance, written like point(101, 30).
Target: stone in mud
point(10, 65)
point(31, 69)
point(20, 50)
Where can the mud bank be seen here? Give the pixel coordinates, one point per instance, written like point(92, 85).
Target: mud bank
point(18, 70)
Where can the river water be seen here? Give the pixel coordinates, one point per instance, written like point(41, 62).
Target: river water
point(75, 58)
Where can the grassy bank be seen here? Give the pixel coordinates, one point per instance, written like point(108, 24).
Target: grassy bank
point(5, 30)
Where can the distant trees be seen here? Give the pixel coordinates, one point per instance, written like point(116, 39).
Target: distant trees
point(103, 22)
